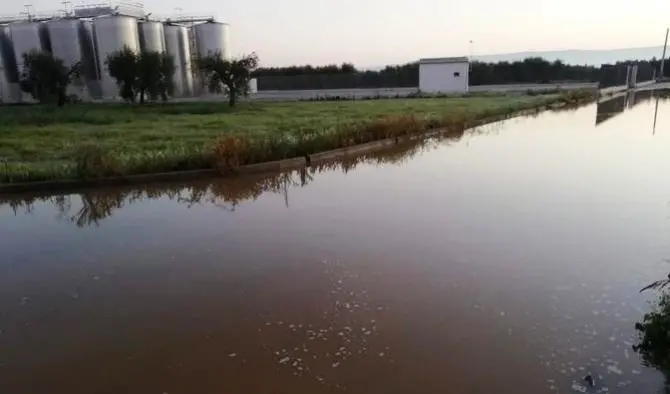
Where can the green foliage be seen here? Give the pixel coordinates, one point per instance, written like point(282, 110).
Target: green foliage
point(46, 77)
point(333, 76)
point(123, 67)
point(165, 85)
point(228, 76)
point(146, 74)
point(654, 336)
point(155, 76)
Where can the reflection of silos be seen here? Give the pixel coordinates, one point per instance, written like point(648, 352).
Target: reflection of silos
point(177, 46)
point(630, 99)
point(212, 37)
point(152, 38)
point(112, 33)
point(72, 43)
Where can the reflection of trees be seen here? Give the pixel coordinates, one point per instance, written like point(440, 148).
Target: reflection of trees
point(96, 205)
point(397, 154)
point(89, 207)
point(654, 338)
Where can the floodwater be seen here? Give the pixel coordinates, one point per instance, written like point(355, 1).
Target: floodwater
point(508, 259)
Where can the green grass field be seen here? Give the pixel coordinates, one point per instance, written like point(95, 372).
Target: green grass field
point(42, 143)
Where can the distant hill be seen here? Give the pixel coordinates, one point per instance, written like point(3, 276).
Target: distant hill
point(581, 57)
point(573, 56)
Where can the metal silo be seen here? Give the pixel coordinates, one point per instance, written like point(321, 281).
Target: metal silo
point(27, 37)
point(152, 37)
point(9, 87)
point(72, 43)
point(177, 46)
point(90, 54)
point(112, 33)
point(212, 37)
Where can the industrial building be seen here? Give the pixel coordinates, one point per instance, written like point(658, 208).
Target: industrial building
point(444, 75)
point(87, 34)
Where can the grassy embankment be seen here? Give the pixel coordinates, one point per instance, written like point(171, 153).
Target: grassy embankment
point(91, 141)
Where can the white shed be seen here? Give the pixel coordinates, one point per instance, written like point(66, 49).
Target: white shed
point(444, 75)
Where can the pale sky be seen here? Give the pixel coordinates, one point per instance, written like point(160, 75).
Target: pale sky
point(379, 32)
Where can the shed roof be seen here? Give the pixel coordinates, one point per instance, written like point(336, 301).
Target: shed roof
point(443, 60)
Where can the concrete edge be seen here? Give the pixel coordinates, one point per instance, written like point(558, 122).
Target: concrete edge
point(69, 184)
point(645, 83)
point(613, 90)
point(277, 165)
point(174, 176)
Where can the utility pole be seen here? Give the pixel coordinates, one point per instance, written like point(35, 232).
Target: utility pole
point(66, 8)
point(28, 7)
point(470, 51)
point(663, 58)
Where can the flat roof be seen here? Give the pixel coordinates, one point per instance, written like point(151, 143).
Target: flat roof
point(443, 60)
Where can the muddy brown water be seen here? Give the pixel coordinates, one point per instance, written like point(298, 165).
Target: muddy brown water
point(507, 259)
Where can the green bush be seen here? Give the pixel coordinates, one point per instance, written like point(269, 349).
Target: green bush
point(46, 77)
point(145, 74)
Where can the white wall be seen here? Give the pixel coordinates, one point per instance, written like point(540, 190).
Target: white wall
point(443, 77)
point(253, 86)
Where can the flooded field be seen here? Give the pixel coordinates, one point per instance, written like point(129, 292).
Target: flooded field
point(508, 259)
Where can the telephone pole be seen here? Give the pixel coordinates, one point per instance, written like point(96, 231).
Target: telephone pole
point(28, 8)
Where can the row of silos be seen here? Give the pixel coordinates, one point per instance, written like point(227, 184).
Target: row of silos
point(91, 41)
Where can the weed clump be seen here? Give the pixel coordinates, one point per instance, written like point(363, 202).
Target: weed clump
point(92, 161)
point(228, 153)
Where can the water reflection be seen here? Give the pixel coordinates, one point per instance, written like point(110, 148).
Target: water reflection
point(90, 207)
point(612, 107)
point(655, 116)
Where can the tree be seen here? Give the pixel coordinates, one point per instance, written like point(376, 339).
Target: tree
point(123, 68)
point(146, 74)
point(155, 76)
point(166, 81)
point(46, 77)
point(228, 76)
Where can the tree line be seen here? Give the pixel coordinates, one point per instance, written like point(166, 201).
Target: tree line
point(529, 70)
point(148, 76)
point(139, 76)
